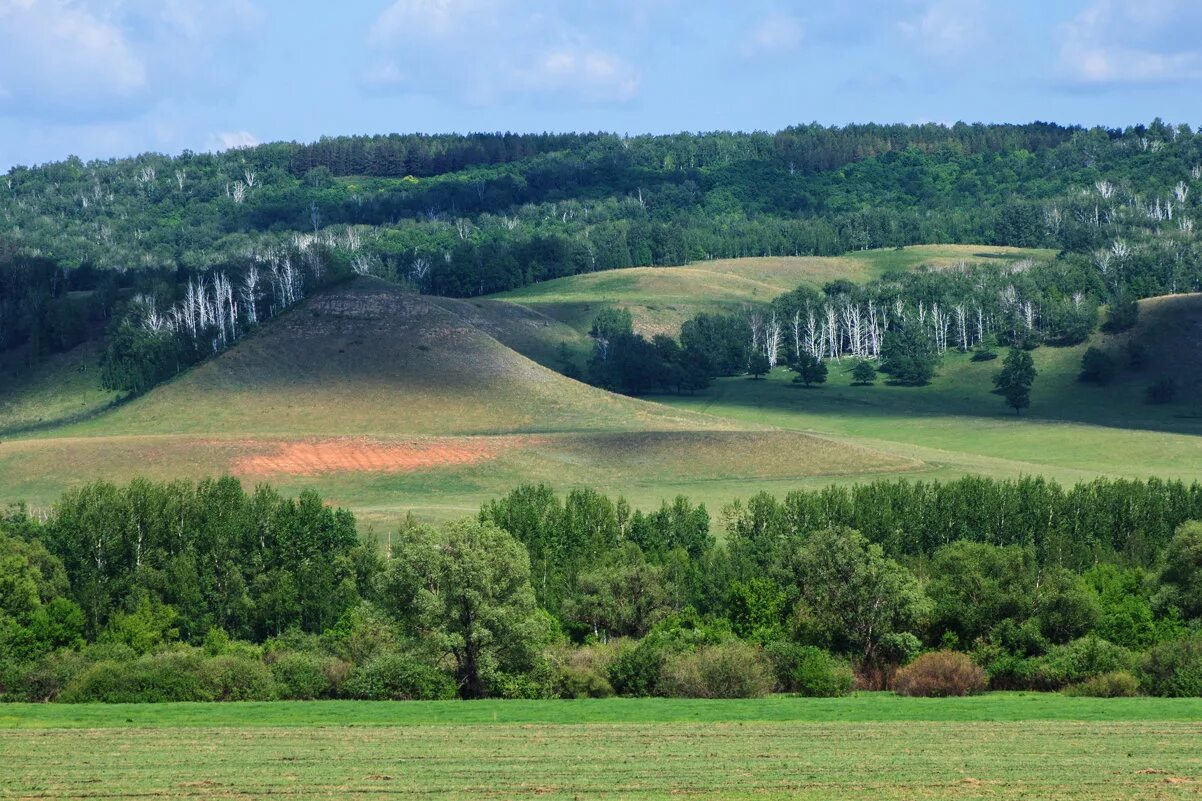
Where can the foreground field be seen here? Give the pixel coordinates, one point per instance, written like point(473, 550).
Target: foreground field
point(883, 747)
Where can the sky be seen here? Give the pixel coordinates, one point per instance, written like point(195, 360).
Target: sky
point(111, 78)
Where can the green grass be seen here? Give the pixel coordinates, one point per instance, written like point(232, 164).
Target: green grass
point(389, 403)
point(661, 298)
point(868, 746)
point(862, 707)
point(425, 377)
point(65, 387)
point(956, 425)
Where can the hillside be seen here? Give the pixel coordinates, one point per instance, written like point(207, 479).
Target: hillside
point(1073, 430)
point(389, 401)
point(661, 298)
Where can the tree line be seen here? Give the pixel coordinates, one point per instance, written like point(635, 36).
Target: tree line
point(178, 591)
point(482, 213)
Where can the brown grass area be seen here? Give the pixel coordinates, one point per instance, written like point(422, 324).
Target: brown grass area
point(359, 455)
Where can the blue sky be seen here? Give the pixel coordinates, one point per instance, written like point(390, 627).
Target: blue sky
point(102, 78)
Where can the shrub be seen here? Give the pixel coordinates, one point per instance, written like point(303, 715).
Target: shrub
point(583, 672)
point(1080, 660)
point(303, 676)
point(939, 674)
point(1119, 684)
point(399, 677)
point(171, 676)
point(236, 678)
point(1097, 366)
point(809, 671)
point(730, 670)
point(984, 355)
point(635, 669)
point(1173, 669)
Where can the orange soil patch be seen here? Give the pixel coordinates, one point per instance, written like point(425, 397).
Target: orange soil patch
point(310, 458)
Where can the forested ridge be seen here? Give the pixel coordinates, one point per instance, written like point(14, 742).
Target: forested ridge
point(176, 257)
point(178, 591)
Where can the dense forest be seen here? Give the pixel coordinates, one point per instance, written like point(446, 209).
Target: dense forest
point(179, 591)
point(176, 257)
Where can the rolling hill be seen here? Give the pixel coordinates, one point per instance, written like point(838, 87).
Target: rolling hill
point(1073, 430)
point(661, 298)
point(392, 402)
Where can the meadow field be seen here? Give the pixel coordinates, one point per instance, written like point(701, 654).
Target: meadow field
point(391, 403)
point(997, 746)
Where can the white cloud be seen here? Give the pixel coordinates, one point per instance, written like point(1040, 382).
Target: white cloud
point(771, 34)
point(95, 59)
point(1116, 42)
point(945, 29)
point(231, 140)
point(490, 51)
point(54, 53)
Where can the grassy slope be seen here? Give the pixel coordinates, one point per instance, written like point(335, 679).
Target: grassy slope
point(1073, 431)
point(866, 746)
point(661, 298)
point(389, 402)
point(64, 387)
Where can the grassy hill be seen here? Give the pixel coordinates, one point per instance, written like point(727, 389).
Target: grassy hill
point(661, 298)
point(390, 401)
point(956, 424)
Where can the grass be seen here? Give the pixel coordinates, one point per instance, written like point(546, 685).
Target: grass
point(996, 746)
point(390, 403)
point(65, 387)
point(661, 298)
point(956, 425)
point(370, 386)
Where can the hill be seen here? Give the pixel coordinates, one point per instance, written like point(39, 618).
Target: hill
point(391, 402)
point(661, 298)
point(956, 424)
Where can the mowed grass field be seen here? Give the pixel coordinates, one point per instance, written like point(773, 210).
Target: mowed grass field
point(999, 746)
point(660, 299)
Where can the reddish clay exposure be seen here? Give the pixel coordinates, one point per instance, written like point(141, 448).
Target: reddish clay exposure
point(362, 455)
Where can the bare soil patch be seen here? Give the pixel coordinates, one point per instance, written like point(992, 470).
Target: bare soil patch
point(361, 455)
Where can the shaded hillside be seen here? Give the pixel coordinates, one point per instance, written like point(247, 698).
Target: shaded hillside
point(368, 358)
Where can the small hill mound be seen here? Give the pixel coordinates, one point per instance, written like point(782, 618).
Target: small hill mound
point(368, 358)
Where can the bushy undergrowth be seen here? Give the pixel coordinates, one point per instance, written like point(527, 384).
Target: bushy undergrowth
point(940, 674)
point(1119, 684)
point(1173, 669)
point(809, 671)
point(399, 677)
point(730, 670)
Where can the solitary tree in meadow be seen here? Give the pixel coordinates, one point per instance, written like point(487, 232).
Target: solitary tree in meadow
point(1015, 379)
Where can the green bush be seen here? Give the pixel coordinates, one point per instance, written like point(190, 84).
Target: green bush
point(636, 667)
point(171, 676)
point(731, 670)
point(1080, 660)
point(236, 678)
point(303, 676)
point(1173, 669)
point(808, 670)
point(399, 677)
point(1119, 684)
point(584, 672)
point(941, 674)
